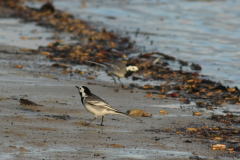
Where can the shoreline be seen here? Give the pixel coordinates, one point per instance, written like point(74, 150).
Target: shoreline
point(56, 129)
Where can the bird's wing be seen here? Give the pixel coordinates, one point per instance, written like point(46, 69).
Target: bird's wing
point(98, 102)
point(96, 63)
point(113, 66)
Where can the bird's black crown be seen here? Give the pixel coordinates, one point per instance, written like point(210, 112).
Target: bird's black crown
point(86, 90)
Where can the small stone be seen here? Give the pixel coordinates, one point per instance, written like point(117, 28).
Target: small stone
point(137, 113)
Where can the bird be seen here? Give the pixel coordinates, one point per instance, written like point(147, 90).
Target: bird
point(117, 69)
point(96, 105)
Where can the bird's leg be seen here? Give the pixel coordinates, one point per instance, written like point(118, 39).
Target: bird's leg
point(92, 120)
point(114, 79)
point(102, 121)
point(120, 82)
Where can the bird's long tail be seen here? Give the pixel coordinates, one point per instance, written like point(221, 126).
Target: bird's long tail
point(102, 65)
point(123, 114)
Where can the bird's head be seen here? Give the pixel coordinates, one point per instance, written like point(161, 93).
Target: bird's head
point(131, 68)
point(84, 91)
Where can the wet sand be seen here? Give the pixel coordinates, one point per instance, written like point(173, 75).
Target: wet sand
point(56, 130)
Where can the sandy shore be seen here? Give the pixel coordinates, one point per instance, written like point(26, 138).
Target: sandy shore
point(56, 130)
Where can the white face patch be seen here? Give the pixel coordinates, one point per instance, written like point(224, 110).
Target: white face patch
point(82, 91)
point(132, 68)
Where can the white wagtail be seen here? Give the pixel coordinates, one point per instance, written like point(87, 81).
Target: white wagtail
point(96, 105)
point(118, 69)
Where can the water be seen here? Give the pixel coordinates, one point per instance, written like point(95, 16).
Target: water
point(200, 31)
point(12, 31)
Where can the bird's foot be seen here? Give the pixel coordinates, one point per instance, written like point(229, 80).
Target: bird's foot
point(124, 87)
point(86, 124)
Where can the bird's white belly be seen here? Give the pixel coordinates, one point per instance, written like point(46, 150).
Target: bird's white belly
point(97, 112)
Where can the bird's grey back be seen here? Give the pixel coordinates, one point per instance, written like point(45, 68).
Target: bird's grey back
point(98, 102)
point(93, 97)
point(117, 69)
point(117, 66)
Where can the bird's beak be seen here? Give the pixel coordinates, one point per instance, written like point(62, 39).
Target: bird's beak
point(77, 87)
